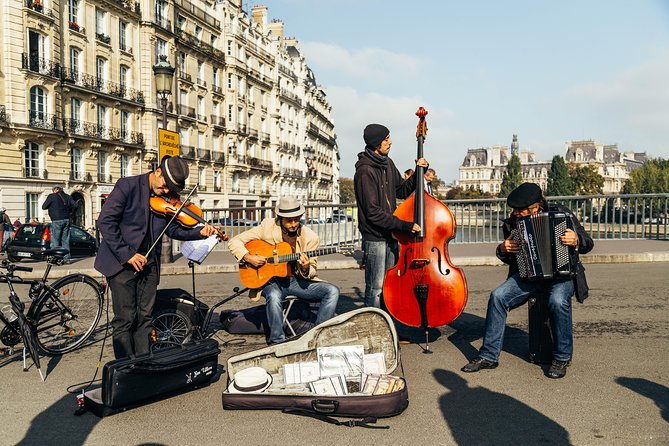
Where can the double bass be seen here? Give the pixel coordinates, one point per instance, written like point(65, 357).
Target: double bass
point(424, 289)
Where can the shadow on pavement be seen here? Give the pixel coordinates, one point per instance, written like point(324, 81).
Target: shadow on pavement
point(654, 391)
point(478, 416)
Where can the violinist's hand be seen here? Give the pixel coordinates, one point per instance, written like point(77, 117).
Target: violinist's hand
point(304, 262)
point(254, 260)
point(509, 245)
point(137, 261)
point(416, 228)
point(569, 238)
point(207, 230)
point(422, 162)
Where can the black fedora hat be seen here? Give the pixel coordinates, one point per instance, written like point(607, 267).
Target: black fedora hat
point(524, 196)
point(175, 171)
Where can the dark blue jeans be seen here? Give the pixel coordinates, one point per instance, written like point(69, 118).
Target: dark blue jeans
point(378, 258)
point(278, 289)
point(60, 235)
point(516, 291)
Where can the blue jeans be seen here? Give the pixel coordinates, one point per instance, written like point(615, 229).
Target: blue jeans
point(278, 289)
point(514, 292)
point(378, 258)
point(60, 235)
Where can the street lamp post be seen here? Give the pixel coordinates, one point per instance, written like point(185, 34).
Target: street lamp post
point(163, 73)
point(309, 157)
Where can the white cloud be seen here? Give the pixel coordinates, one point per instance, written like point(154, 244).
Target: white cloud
point(373, 64)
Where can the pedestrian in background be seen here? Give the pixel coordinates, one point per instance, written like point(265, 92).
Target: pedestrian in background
point(407, 174)
point(5, 228)
point(430, 174)
point(60, 205)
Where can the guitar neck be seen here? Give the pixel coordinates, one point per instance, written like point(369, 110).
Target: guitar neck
point(293, 257)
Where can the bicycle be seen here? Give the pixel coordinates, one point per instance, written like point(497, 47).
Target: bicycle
point(64, 314)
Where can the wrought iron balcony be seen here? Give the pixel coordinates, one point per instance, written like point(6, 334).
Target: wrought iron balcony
point(188, 152)
point(217, 120)
point(94, 130)
point(76, 176)
point(127, 4)
point(36, 64)
point(3, 115)
point(218, 157)
point(204, 154)
point(104, 38)
point(46, 121)
point(241, 128)
point(265, 136)
point(202, 118)
point(198, 12)
point(216, 89)
point(201, 82)
point(95, 83)
point(185, 77)
point(186, 111)
point(253, 133)
point(217, 188)
point(202, 187)
point(104, 177)
point(258, 163)
point(38, 6)
point(32, 172)
point(163, 23)
point(198, 45)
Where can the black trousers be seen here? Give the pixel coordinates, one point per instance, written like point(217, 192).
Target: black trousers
point(133, 298)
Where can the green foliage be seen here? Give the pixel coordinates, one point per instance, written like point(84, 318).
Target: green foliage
point(587, 181)
point(559, 181)
point(512, 178)
point(346, 193)
point(652, 177)
point(458, 193)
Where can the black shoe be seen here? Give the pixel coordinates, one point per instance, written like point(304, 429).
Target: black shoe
point(479, 364)
point(558, 369)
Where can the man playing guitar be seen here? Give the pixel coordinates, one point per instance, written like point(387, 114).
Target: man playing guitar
point(301, 280)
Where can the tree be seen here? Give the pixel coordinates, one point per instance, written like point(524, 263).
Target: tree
point(651, 178)
point(559, 181)
point(512, 178)
point(587, 181)
point(346, 193)
point(458, 193)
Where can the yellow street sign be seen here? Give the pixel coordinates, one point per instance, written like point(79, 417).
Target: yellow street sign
point(168, 144)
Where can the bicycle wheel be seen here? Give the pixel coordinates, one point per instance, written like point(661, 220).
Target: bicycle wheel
point(67, 313)
point(170, 327)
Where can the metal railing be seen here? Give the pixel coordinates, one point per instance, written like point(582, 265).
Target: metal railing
point(41, 65)
point(95, 83)
point(605, 217)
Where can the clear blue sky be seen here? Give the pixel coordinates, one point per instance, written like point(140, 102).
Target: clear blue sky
point(549, 71)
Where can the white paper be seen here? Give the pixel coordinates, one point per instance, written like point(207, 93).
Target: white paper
point(375, 363)
point(198, 250)
point(345, 360)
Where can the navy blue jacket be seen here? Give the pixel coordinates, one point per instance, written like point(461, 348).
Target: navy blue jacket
point(59, 205)
point(124, 221)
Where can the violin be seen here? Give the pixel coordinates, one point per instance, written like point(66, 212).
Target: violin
point(190, 215)
point(424, 289)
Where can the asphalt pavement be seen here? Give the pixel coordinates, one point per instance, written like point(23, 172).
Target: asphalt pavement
point(616, 392)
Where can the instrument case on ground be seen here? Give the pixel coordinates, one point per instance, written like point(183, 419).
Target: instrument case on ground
point(132, 382)
point(370, 327)
point(540, 333)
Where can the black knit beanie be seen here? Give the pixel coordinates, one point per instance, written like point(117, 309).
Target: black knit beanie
point(374, 135)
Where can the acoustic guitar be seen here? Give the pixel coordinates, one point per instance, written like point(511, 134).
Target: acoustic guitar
point(277, 257)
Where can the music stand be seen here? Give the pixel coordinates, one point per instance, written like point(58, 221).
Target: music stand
point(196, 251)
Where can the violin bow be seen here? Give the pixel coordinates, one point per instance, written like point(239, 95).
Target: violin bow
point(419, 209)
point(176, 214)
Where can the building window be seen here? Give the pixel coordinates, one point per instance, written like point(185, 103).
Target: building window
point(230, 114)
point(76, 163)
point(73, 13)
point(123, 78)
point(160, 10)
point(37, 105)
point(31, 155)
point(229, 47)
point(101, 71)
point(252, 184)
point(161, 49)
point(200, 140)
point(214, 77)
point(103, 167)
point(75, 111)
point(217, 179)
point(182, 62)
point(198, 32)
point(200, 107)
point(122, 35)
point(125, 124)
point(125, 165)
point(181, 22)
point(230, 81)
point(102, 121)
point(31, 206)
point(235, 182)
point(100, 22)
point(74, 63)
point(202, 176)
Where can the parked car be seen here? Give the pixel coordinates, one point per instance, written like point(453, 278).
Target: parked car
point(32, 239)
point(340, 218)
point(245, 222)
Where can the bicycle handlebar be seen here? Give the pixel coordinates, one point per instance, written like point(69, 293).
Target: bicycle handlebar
point(13, 267)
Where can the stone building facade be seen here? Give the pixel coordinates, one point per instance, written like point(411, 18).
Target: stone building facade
point(483, 168)
point(79, 107)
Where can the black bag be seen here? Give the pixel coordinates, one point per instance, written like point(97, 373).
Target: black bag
point(580, 283)
point(132, 382)
point(181, 301)
point(371, 327)
point(253, 320)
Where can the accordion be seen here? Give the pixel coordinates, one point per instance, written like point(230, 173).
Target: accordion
point(542, 255)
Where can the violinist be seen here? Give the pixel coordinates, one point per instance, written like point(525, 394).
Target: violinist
point(378, 184)
point(129, 228)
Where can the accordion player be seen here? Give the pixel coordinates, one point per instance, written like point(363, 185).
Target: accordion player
point(541, 254)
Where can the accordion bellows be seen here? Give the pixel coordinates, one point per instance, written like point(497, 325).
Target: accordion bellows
point(542, 255)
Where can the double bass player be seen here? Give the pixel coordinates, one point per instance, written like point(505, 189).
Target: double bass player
point(378, 184)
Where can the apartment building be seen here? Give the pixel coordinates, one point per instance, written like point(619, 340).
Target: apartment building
point(79, 105)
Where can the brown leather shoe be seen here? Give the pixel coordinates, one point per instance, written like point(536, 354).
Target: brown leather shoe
point(478, 364)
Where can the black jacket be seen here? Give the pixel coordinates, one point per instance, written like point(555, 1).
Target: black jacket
point(59, 206)
point(123, 222)
point(377, 188)
point(585, 243)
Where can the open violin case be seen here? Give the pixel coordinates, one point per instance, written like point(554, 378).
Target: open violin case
point(370, 327)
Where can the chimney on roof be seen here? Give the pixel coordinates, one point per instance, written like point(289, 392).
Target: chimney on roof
point(259, 14)
point(276, 28)
point(291, 41)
